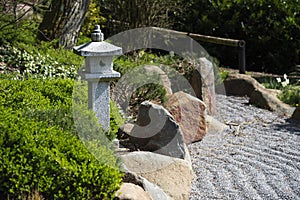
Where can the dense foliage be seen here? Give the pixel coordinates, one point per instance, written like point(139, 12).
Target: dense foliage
point(22, 55)
point(122, 15)
point(271, 29)
point(40, 150)
point(290, 95)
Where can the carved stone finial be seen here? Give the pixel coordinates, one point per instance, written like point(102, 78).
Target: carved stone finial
point(97, 36)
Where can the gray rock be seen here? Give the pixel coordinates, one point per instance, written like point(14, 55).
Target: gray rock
point(240, 84)
point(263, 98)
point(157, 131)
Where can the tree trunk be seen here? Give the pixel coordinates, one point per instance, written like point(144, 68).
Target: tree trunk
point(63, 21)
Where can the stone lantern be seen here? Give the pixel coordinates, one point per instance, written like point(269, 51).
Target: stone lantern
point(99, 72)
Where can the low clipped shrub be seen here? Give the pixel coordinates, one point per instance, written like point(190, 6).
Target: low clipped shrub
point(290, 95)
point(52, 161)
point(40, 149)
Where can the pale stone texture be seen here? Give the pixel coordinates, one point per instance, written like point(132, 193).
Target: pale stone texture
point(100, 102)
point(129, 191)
point(213, 125)
point(173, 175)
point(190, 113)
point(154, 190)
point(203, 83)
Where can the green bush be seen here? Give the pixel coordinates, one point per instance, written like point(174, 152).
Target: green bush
point(270, 28)
point(290, 95)
point(40, 149)
point(56, 163)
point(22, 31)
point(21, 53)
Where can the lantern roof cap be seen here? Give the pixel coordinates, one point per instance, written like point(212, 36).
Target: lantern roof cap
point(97, 47)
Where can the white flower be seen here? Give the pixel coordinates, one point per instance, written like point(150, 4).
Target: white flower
point(278, 80)
point(171, 53)
point(284, 84)
point(287, 81)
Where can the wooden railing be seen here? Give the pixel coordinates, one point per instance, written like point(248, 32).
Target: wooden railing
point(240, 44)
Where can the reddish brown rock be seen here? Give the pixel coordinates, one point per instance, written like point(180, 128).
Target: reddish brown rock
point(189, 112)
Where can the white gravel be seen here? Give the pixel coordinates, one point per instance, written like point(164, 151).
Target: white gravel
point(258, 157)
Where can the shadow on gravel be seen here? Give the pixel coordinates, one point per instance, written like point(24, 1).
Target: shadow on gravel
point(292, 126)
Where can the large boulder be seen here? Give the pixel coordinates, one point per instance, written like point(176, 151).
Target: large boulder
point(263, 98)
point(129, 191)
point(190, 113)
point(173, 175)
point(244, 85)
point(127, 144)
point(240, 84)
point(203, 83)
point(156, 131)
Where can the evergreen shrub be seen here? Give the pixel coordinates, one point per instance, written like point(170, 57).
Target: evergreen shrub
point(40, 149)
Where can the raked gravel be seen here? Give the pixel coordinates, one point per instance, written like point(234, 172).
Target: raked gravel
point(257, 157)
